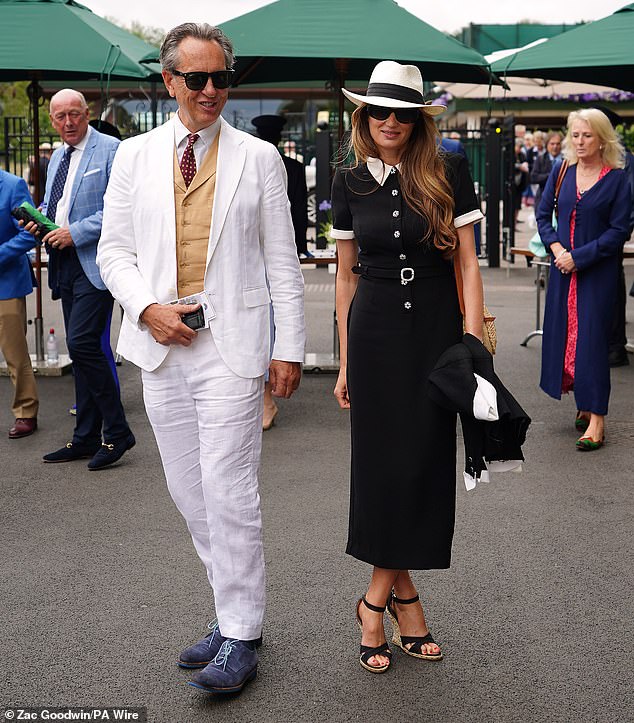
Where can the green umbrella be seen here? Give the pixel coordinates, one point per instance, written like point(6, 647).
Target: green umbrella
point(330, 40)
point(60, 40)
point(601, 52)
point(300, 40)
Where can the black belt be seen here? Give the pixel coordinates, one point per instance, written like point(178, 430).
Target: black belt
point(407, 274)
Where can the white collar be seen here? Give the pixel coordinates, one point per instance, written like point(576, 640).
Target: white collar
point(206, 135)
point(379, 169)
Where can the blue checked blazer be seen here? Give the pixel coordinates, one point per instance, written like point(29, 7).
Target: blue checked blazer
point(86, 202)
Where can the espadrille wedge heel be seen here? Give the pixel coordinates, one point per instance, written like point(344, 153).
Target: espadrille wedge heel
point(412, 645)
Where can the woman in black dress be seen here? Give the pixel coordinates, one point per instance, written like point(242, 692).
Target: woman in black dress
point(401, 215)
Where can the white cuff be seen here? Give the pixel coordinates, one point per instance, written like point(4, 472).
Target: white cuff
point(466, 218)
point(469, 481)
point(505, 465)
point(341, 234)
point(485, 401)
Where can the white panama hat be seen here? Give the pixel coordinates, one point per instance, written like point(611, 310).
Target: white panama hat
point(393, 85)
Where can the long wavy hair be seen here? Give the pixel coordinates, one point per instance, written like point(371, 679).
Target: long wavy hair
point(424, 183)
point(612, 151)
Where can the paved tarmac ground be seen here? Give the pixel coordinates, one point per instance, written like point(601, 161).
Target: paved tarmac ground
point(101, 587)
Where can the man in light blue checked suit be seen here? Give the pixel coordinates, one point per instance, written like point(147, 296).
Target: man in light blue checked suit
point(78, 174)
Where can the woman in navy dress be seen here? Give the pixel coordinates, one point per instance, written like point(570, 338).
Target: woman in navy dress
point(401, 214)
point(593, 214)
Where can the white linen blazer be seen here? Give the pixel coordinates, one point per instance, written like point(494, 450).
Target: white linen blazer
point(251, 242)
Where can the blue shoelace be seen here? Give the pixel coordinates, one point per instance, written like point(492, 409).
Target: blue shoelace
point(213, 626)
point(222, 656)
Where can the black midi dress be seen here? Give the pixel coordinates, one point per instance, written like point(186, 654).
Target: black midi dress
point(403, 479)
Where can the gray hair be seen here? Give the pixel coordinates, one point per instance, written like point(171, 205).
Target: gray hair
point(201, 31)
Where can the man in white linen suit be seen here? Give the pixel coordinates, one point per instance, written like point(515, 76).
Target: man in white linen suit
point(197, 206)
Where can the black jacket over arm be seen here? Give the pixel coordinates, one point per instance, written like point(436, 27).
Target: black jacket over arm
point(452, 385)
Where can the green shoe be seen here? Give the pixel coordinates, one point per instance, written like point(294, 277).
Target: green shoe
point(587, 444)
point(581, 423)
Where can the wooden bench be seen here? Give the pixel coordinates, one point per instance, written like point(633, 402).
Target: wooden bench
point(318, 260)
point(529, 255)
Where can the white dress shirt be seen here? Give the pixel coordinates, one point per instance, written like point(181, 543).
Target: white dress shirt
point(63, 205)
point(206, 137)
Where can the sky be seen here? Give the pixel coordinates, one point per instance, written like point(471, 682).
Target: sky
point(446, 16)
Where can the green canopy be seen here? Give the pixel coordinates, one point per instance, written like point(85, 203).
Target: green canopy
point(601, 52)
point(301, 40)
point(59, 39)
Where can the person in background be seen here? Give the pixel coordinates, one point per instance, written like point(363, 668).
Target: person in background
point(528, 149)
point(520, 179)
point(537, 148)
point(197, 207)
point(543, 164)
point(400, 214)
point(269, 128)
point(453, 144)
point(16, 282)
point(105, 127)
point(44, 158)
point(532, 155)
point(77, 180)
point(594, 207)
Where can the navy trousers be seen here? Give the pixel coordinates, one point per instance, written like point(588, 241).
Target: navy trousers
point(86, 313)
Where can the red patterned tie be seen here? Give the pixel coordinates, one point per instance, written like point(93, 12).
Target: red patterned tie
point(188, 161)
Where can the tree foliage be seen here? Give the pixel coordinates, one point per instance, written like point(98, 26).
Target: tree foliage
point(14, 102)
point(152, 35)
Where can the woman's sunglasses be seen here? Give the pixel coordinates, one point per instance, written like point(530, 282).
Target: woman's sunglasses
point(403, 115)
point(198, 80)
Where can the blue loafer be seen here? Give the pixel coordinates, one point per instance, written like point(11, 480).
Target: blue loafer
point(234, 665)
point(111, 452)
point(71, 452)
point(200, 654)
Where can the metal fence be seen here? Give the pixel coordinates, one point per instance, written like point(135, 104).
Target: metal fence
point(17, 152)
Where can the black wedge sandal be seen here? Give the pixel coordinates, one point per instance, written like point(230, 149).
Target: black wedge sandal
point(366, 651)
point(403, 641)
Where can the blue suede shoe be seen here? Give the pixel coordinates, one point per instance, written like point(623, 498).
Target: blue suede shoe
point(235, 664)
point(200, 654)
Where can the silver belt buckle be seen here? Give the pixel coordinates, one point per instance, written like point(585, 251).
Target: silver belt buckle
point(406, 279)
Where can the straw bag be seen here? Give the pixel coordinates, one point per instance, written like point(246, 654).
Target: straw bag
point(489, 333)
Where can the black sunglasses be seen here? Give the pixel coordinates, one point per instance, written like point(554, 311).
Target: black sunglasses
point(403, 115)
point(198, 80)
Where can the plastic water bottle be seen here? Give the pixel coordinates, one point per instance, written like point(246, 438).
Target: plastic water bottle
point(52, 352)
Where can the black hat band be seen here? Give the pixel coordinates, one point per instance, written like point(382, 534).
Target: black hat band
point(396, 92)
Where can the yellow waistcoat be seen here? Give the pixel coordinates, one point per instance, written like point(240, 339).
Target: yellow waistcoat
point(193, 221)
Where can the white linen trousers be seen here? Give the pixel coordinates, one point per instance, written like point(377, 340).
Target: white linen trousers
point(208, 426)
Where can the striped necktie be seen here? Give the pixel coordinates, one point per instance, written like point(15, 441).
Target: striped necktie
point(58, 184)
